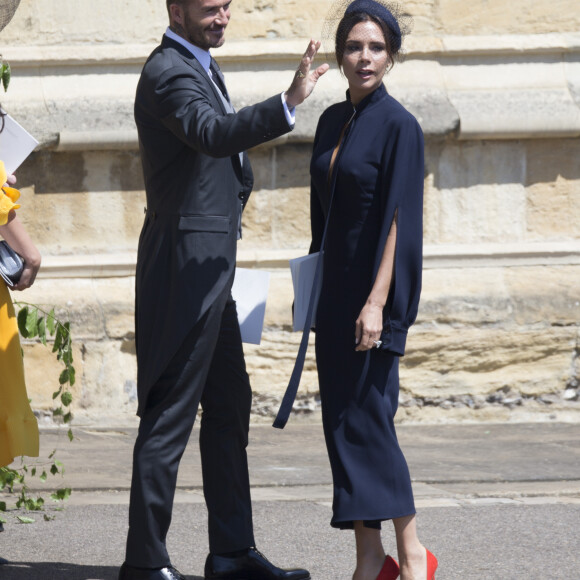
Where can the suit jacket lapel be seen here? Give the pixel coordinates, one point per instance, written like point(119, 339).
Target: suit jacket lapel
point(194, 63)
point(225, 106)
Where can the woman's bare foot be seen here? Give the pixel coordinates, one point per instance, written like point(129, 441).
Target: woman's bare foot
point(369, 568)
point(414, 564)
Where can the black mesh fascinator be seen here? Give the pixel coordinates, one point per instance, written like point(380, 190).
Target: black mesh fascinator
point(397, 24)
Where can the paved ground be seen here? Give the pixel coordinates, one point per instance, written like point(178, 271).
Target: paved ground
point(494, 501)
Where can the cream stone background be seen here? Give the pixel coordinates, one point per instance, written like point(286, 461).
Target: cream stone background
point(496, 88)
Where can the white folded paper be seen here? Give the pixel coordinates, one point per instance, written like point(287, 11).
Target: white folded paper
point(250, 291)
point(303, 270)
point(16, 144)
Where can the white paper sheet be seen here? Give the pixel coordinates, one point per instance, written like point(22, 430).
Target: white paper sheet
point(16, 144)
point(250, 291)
point(303, 270)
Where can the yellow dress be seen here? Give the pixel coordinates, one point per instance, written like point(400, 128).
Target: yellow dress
point(18, 425)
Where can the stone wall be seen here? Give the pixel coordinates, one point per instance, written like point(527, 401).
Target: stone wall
point(496, 89)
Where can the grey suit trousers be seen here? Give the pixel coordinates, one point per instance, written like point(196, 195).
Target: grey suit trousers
point(209, 369)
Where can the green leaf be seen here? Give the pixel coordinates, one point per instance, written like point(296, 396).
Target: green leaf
point(58, 340)
point(31, 322)
point(34, 505)
point(6, 76)
point(43, 477)
point(57, 412)
point(54, 469)
point(71, 375)
point(66, 353)
point(3, 521)
point(51, 322)
point(33, 472)
point(64, 377)
point(2, 506)
point(62, 494)
point(25, 520)
point(70, 435)
point(48, 518)
point(22, 318)
point(66, 398)
point(41, 330)
point(67, 418)
point(56, 393)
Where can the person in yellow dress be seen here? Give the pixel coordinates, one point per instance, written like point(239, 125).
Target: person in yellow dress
point(18, 425)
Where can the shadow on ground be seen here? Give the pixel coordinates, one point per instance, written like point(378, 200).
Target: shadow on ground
point(59, 571)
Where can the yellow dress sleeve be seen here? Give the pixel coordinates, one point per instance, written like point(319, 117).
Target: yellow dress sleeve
point(8, 197)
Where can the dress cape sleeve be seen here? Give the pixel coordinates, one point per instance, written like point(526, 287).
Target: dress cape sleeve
point(403, 180)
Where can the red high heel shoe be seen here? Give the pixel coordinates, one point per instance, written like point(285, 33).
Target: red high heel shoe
point(389, 571)
point(431, 565)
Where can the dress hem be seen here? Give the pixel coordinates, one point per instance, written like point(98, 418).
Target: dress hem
point(349, 524)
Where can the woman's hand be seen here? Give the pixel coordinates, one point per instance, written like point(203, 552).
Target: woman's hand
point(19, 240)
point(369, 326)
point(304, 80)
point(28, 274)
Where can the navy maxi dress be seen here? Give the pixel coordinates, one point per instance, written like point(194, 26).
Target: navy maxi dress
point(377, 178)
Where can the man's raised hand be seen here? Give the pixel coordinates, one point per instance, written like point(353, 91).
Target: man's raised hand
point(304, 79)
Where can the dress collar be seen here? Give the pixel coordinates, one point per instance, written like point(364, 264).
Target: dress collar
point(374, 97)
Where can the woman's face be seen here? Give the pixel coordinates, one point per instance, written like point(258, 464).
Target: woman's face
point(365, 59)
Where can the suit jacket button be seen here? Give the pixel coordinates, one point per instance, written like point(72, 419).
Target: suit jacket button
point(241, 195)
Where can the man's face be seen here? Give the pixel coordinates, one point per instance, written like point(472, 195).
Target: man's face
point(202, 22)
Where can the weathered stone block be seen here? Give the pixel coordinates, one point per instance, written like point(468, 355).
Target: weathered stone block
point(445, 362)
point(497, 17)
point(109, 378)
point(42, 371)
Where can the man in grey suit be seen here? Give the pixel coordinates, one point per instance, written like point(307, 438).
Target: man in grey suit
point(189, 349)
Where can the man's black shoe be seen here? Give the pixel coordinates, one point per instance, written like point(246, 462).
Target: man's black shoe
point(249, 566)
point(131, 573)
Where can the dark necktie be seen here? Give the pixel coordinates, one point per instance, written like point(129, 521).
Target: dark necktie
point(218, 78)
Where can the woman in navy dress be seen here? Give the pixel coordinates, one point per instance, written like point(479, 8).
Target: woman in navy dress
point(368, 158)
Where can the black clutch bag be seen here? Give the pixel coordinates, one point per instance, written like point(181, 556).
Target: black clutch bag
point(11, 264)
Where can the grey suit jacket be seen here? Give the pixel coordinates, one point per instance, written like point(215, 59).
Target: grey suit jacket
point(196, 188)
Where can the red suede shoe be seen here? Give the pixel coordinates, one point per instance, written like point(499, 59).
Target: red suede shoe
point(431, 566)
point(389, 571)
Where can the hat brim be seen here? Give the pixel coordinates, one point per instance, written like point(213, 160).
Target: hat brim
point(7, 10)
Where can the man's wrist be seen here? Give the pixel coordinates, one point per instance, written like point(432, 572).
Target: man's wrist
point(289, 111)
point(289, 101)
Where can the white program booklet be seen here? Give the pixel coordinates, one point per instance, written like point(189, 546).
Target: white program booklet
point(16, 144)
point(250, 291)
point(303, 270)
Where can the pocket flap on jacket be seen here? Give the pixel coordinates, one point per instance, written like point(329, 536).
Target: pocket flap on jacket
point(202, 223)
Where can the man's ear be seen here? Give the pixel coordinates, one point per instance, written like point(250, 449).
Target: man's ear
point(176, 15)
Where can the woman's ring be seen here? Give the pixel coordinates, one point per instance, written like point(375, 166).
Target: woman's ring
point(300, 74)
point(377, 343)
